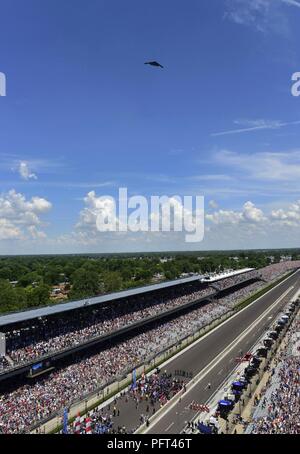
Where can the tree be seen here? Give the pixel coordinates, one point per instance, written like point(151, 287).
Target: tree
point(37, 296)
point(8, 300)
point(85, 283)
point(52, 275)
point(112, 281)
point(29, 279)
point(6, 273)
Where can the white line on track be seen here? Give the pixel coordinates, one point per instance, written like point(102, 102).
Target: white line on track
point(169, 427)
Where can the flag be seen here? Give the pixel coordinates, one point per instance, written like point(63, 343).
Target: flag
point(134, 379)
point(77, 424)
point(65, 421)
point(88, 426)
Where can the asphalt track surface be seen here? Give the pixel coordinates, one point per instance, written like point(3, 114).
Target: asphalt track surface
point(173, 420)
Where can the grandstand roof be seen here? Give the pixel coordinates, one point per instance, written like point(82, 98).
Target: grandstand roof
point(31, 314)
point(226, 274)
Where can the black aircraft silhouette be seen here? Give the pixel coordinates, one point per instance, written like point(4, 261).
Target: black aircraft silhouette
point(154, 63)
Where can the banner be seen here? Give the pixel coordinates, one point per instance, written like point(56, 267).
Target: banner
point(134, 379)
point(65, 421)
point(2, 345)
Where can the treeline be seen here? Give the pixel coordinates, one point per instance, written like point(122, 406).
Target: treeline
point(26, 281)
point(19, 298)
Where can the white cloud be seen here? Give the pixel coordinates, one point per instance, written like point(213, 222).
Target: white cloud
point(242, 228)
point(289, 216)
point(249, 214)
point(251, 13)
point(8, 230)
point(25, 172)
point(292, 3)
point(255, 125)
point(28, 168)
point(262, 15)
point(20, 218)
point(211, 177)
point(252, 214)
point(252, 227)
point(95, 206)
point(265, 166)
point(224, 217)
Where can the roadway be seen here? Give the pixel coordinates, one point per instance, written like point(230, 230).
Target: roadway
point(211, 360)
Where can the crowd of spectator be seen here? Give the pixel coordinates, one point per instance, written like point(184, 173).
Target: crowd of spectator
point(267, 274)
point(278, 408)
point(239, 295)
point(51, 336)
point(38, 399)
point(146, 395)
point(30, 403)
point(236, 279)
point(276, 270)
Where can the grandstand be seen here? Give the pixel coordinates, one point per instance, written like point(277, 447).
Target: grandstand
point(54, 332)
point(62, 353)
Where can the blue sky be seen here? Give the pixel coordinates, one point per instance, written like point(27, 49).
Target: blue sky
point(83, 114)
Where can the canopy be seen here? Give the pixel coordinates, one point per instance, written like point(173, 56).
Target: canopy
point(225, 403)
point(238, 384)
point(204, 429)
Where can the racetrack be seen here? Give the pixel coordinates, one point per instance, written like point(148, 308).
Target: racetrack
point(203, 354)
point(210, 360)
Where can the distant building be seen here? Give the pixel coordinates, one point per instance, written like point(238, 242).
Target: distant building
point(166, 259)
point(158, 277)
point(13, 283)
